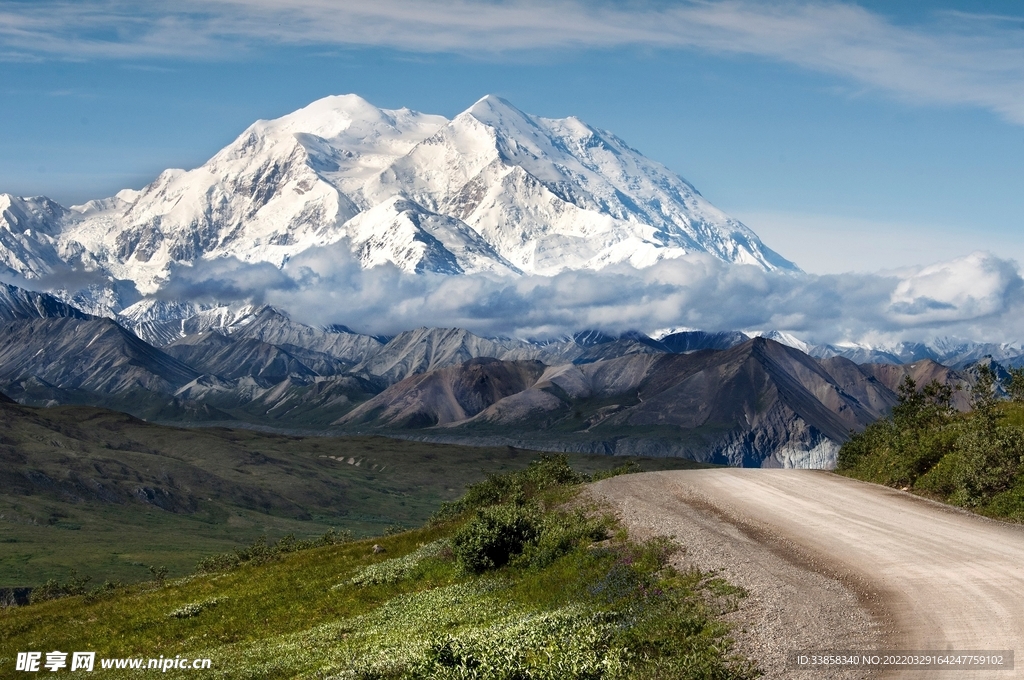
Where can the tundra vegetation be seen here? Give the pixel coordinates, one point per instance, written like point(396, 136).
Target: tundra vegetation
point(520, 578)
point(974, 460)
point(119, 499)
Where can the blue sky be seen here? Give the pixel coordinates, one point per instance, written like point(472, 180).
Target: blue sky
point(849, 136)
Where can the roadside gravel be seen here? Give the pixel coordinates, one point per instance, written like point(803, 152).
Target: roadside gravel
point(830, 563)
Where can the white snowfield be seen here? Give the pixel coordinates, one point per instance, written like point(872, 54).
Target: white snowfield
point(930, 577)
point(492, 190)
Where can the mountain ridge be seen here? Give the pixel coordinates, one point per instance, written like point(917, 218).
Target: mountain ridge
point(759, 404)
point(717, 397)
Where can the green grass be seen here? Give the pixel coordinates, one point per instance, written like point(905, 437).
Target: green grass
point(70, 480)
point(592, 606)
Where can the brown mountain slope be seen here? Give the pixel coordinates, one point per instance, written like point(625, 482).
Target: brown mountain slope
point(446, 395)
point(757, 404)
point(922, 372)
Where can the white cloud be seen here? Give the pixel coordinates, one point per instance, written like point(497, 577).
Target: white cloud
point(979, 296)
point(971, 287)
point(961, 59)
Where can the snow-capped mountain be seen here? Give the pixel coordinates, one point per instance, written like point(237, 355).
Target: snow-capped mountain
point(952, 352)
point(28, 231)
point(492, 190)
point(559, 194)
point(18, 303)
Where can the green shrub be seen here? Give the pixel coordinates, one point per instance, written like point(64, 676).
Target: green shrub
point(628, 468)
point(546, 472)
point(495, 535)
point(561, 532)
point(54, 589)
point(967, 459)
point(982, 464)
point(1015, 385)
point(1008, 504)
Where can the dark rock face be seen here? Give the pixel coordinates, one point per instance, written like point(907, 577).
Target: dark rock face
point(692, 341)
point(88, 354)
point(228, 358)
point(18, 303)
point(15, 597)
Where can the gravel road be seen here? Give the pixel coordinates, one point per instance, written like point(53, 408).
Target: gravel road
point(831, 563)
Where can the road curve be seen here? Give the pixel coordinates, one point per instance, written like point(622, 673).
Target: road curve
point(922, 575)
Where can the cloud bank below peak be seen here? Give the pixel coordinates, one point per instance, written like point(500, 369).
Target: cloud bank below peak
point(952, 58)
point(980, 297)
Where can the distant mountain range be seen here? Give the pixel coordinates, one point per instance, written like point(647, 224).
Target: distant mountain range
point(950, 352)
point(716, 397)
point(492, 190)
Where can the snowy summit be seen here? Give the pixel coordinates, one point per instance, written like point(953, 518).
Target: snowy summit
point(492, 190)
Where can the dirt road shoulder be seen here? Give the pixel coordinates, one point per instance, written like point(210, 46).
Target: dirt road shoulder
point(831, 563)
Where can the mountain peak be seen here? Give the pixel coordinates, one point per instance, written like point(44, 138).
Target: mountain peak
point(329, 116)
point(495, 189)
point(493, 104)
point(500, 115)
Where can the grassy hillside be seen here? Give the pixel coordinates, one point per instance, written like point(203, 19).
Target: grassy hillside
point(974, 460)
point(518, 580)
point(112, 496)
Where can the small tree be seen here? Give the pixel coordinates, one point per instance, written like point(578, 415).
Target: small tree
point(916, 409)
point(159, 573)
point(983, 398)
point(1015, 385)
point(496, 535)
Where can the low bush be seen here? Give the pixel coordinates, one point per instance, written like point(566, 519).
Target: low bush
point(54, 589)
point(501, 534)
point(495, 535)
point(563, 531)
point(546, 472)
point(627, 468)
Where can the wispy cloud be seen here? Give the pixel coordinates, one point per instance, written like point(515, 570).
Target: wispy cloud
point(953, 58)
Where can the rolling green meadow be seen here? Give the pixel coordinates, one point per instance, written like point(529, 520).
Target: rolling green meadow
point(521, 577)
point(111, 496)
